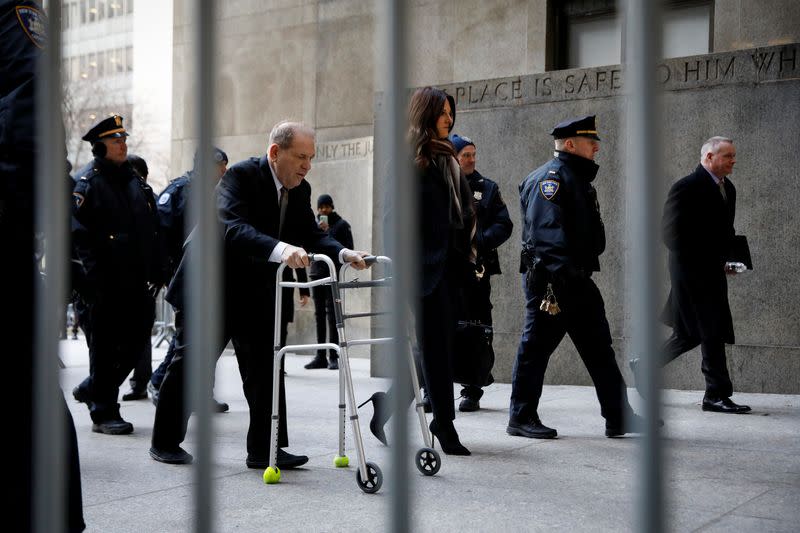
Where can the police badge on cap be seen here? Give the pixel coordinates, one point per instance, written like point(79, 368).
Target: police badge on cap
point(106, 129)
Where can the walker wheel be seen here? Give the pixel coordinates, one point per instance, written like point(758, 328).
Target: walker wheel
point(374, 479)
point(428, 461)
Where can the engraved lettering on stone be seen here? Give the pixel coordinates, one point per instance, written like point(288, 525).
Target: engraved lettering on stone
point(763, 60)
point(786, 60)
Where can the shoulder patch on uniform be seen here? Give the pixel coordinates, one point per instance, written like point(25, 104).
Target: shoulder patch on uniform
point(84, 178)
point(78, 198)
point(32, 21)
point(548, 188)
point(164, 198)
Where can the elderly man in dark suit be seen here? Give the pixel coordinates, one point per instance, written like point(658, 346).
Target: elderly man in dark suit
point(264, 207)
point(698, 230)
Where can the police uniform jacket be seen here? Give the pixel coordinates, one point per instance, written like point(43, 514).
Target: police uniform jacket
point(247, 204)
point(563, 231)
point(339, 229)
point(494, 224)
point(22, 38)
point(114, 231)
point(697, 228)
point(171, 212)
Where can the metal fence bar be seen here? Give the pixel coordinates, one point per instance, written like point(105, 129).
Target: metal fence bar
point(50, 207)
point(643, 45)
point(204, 270)
point(402, 225)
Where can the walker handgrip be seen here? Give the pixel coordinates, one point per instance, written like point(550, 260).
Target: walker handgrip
point(370, 259)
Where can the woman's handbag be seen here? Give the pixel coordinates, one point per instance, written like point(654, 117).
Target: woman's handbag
point(473, 357)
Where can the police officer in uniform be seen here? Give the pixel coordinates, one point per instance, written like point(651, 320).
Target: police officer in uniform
point(562, 238)
point(493, 228)
point(172, 218)
point(22, 26)
point(115, 243)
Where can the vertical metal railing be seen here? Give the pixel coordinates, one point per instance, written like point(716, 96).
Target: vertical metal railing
point(203, 295)
point(402, 229)
point(50, 207)
point(642, 48)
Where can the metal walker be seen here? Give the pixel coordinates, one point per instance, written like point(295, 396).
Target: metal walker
point(368, 476)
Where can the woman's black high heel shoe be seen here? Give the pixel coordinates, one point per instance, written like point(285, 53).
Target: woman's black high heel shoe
point(448, 438)
point(379, 415)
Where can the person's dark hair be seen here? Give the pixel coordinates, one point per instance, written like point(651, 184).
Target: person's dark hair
point(139, 165)
point(99, 149)
point(424, 110)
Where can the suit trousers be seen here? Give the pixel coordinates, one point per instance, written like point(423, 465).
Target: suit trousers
point(477, 307)
point(325, 318)
point(714, 365)
point(583, 318)
point(254, 357)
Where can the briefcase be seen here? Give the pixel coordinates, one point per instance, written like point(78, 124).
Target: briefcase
point(740, 252)
point(473, 357)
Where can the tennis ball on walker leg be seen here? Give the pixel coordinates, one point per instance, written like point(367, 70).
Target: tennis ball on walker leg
point(272, 475)
point(341, 461)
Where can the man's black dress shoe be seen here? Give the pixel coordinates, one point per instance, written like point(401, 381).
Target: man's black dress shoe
point(533, 429)
point(333, 364)
point(220, 407)
point(285, 461)
point(469, 405)
point(80, 395)
point(178, 456)
point(319, 361)
point(113, 427)
point(633, 423)
point(723, 405)
point(134, 395)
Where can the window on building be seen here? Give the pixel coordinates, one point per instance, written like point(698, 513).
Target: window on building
point(92, 66)
point(92, 10)
point(84, 67)
point(114, 8)
point(589, 33)
point(101, 64)
point(101, 9)
point(65, 20)
point(129, 6)
point(129, 59)
point(687, 29)
point(84, 17)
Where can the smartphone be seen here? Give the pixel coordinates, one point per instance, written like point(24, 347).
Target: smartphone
point(323, 218)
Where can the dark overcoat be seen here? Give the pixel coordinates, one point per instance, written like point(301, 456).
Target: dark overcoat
point(697, 228)
point(247, 203)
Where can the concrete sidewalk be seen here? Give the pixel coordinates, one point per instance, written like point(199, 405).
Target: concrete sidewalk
point(725, 472)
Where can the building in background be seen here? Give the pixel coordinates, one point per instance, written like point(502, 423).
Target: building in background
point(517, 67)
point(117, 58)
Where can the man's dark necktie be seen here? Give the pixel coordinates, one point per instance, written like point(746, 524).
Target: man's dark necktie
point(283, 202)
point(722, 190)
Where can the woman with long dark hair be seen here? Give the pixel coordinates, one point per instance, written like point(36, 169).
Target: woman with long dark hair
point(446, 222)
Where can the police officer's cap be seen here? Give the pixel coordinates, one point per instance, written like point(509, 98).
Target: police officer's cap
point(324, 199)
point(217, 155)
point(576, 127)
point(106, 129)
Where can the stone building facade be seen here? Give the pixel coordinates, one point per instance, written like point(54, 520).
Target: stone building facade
point(516, 68)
